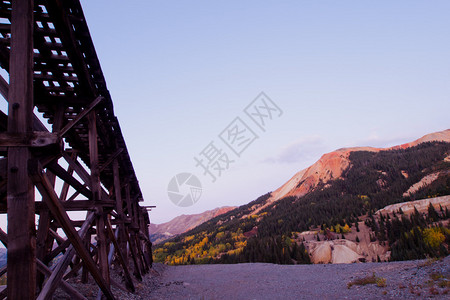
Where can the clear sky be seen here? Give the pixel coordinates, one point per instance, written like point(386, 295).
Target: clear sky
point(345, 73)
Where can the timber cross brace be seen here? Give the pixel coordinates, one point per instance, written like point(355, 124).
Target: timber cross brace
point(80, 164)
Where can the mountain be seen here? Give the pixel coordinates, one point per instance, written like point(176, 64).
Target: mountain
point(183, 223)
point(331, 166)
point(331, 205)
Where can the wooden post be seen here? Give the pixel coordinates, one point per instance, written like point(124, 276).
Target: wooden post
point(119, 209)
point(46, 190)
point(44, 241)
point(96, 193)
point(20, 190)
point(85, 271)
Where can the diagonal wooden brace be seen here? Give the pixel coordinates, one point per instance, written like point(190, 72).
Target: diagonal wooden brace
point(80, 116)
point(45, 188)
point(55, 279)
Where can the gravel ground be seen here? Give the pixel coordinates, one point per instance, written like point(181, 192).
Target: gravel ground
point(423, 279)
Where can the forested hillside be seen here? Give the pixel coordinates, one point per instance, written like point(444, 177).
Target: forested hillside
point(372, 181)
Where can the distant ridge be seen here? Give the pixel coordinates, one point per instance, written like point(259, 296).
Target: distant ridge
point(331, 165)
point(183, 223)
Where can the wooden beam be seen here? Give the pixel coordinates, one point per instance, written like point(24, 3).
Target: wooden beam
point(56, 9)
point(119, 209)
point(45, 188)
point(46, 271)
point(73, 293)
point(20, 191)
point(4, 91)
point(80, 116)
point(64, 175)
point(128, 281)
point(96, 193)
point(4, 238)
point(137, 271)
point(77, 167)
point(57, 274)
point(111, 159)
point(33, 139)
point(77, 205)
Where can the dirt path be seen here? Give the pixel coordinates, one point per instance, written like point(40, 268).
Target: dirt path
point(404, 280)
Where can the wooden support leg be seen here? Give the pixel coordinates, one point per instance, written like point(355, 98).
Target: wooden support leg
point(96, 193)
point(137, 271)
point(46, 190)
point(55, 279)
point(64, 285)
point(20, 192)
point(119, 208)
point(85, 272)
point(143, 263)
point(128, 281)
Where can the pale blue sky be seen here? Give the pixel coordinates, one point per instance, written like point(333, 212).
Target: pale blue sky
point(345, 73)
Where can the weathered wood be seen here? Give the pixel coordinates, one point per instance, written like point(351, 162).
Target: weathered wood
point(57, 274)
point(111, 159)
point(119, 209)
point(80, 116)
point(20, 192)
point(55, 252)
point(137, 269)
point(76, 166)
point(44, 239)
point(96, 193)
point(128, 281)
point(32, 139)
point(3, 238)
point(3, 270)
point(85, 272)
point(77, 205)
point(65, 187)
point(47, 192)
point(61, 173)
point(61, 20)
point(4, 91)
point(67, 81)
point(64, 285)
point(143, 262)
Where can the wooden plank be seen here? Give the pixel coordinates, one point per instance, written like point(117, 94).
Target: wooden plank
point(57, 274)
point(20, 191)
point(43, 185)
point(77, 205)
point(34, 139)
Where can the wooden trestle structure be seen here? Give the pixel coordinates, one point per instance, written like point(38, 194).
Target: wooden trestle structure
point(80, 164)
